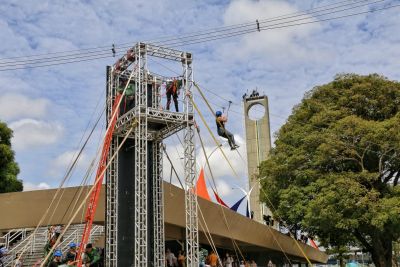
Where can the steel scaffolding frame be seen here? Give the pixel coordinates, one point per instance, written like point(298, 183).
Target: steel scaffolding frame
point(111, 184)
point(152, 124)
point(192, 236)
point(158, 206)
point(140, 231)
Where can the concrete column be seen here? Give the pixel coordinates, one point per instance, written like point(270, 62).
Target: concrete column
point(258, 140)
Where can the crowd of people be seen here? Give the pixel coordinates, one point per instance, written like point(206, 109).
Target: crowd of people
point(210, 259)
point(92, 256)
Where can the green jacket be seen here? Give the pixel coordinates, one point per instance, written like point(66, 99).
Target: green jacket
point(93, 256)
point(130, 90)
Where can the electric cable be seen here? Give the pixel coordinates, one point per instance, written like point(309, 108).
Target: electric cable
point(162, 40)
point(235, 33)
point(185, 41)
point(171, 37)
point(243, 32)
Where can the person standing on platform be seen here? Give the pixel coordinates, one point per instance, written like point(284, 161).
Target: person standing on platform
point(172, 90)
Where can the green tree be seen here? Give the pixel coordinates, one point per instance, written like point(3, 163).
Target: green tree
point(334, 171)
point(8, 167)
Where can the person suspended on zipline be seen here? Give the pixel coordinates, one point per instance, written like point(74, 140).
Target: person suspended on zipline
point(221, 120)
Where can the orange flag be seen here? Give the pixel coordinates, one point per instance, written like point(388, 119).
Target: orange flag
point(201, 187)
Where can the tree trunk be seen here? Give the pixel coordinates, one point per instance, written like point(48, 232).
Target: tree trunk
point(341, 262)
point(381, 251)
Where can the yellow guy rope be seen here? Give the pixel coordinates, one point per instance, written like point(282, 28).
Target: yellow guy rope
point(59, 188)
point(213, 136)
point(210, 239)
point(208, 128)
point(87, 196)
point(294, 239)
point(235, 245)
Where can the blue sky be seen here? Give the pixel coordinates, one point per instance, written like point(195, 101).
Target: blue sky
point(49, 108)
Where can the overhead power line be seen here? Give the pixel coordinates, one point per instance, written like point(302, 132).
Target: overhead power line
point(164, 38)
point(189, 37)
point(320, 15)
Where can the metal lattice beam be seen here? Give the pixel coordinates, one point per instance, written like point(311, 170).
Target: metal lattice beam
point(158, 207)
point(111, 186)
point(140, 229)
point(192, 235)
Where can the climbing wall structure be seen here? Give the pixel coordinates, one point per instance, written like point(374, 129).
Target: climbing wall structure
point(134, 192)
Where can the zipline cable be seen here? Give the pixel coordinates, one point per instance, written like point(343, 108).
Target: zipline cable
point(280, 220)
point(173, 168)
point(213, 136)
point(302, 123)
point(235, 245)
point(226, 159)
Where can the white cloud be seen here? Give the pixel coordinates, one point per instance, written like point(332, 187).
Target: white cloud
point(14, 106)
point(175, 153)
point(30, 133)
point(224, 189)
point(267, 43)
point(60, 164)
point(220, 166)
point(31, 186)
point(283, 62)
point(66, 158)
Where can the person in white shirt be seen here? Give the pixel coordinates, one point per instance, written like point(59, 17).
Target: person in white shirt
point(17, 262)
point(228, 260)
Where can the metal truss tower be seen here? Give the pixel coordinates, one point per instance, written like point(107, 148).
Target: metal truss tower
point(134, 192)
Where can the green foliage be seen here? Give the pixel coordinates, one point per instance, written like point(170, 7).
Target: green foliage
point(334, 171)
point(8, 167)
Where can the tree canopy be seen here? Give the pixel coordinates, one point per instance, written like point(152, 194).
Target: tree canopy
point(8, 167)
point(334, 171)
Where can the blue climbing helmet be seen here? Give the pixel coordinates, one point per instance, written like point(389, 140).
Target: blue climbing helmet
point(218, 113)
point(57, 253)
point(72, 245)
